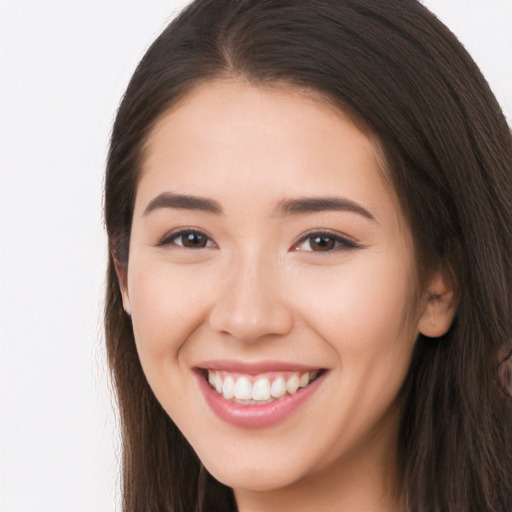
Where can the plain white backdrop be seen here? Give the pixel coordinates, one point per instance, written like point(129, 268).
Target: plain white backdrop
point(63, 68)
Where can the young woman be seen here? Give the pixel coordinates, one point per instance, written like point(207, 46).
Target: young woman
point(309, 213)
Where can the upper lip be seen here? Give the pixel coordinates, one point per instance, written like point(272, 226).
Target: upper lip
point(255, 367)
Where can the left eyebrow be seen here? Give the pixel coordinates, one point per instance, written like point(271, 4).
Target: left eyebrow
point(184, 202)
point(320, 204)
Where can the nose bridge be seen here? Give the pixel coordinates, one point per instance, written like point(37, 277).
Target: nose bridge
point(250, 304)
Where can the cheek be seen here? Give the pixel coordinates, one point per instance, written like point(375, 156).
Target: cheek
point(362, 314)
point(167, 306)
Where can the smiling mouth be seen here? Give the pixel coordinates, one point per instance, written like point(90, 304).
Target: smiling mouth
point(258, 389)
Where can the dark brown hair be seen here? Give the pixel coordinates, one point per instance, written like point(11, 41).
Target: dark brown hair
point(392, 65)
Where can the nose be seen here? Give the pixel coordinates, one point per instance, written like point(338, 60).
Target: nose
point(251, 305)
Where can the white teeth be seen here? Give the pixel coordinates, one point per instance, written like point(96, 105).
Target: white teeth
point(278, 388)
point(228, 389)
point(261, 390)
point(304, 380)
point(243, 389)
point(292, 384)
point(218, 382)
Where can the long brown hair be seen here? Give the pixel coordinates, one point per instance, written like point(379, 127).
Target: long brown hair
point(393, 66)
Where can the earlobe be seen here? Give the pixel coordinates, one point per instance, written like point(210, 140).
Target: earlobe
point(439, 307)
point(122, 278)
point(126, 302)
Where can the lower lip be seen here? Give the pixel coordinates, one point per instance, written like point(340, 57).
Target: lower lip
point(256, 416)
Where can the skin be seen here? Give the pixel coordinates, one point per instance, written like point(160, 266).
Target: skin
point(261, 291)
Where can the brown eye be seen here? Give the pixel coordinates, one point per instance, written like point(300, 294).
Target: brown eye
point(321, 243)
point(187, 239)
point(193, 240)
point(324, 242)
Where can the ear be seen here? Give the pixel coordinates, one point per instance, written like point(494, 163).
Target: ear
point(439, 306)
point(122, 277)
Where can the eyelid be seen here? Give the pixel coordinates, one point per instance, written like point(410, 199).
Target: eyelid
point(170, 237)
point(345, 242)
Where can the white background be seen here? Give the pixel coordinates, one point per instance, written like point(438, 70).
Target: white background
point(64, 66)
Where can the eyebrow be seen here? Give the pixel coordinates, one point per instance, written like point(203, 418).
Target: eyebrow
point(287, 207)
point(185, 202)
point(319, 204)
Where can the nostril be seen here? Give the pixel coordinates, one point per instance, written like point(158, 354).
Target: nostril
point(252, 323)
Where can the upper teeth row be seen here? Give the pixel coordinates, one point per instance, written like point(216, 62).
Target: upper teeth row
point(262, 389)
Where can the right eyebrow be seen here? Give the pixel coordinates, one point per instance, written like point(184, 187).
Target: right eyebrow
point(318, 204)
point(180, 201)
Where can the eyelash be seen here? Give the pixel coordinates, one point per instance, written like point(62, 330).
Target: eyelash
point(333, 242)
point(340, 242)
point(172, 237)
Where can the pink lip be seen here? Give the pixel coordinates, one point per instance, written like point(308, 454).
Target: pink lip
point(255, 416)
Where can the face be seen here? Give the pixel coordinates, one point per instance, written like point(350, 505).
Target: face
point(270, 280)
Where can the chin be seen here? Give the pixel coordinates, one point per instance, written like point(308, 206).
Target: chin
point(254, 477)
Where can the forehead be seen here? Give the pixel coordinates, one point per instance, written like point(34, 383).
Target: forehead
point(229, 135)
